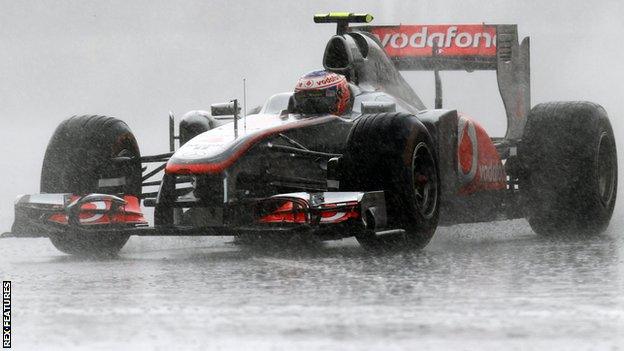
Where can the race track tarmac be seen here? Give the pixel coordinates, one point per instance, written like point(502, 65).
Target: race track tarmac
point(492, 286)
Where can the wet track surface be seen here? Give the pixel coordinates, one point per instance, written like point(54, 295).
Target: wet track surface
point(494, 286)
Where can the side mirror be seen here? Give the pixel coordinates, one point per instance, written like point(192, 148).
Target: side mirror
point(377, 107)
point(225, 109)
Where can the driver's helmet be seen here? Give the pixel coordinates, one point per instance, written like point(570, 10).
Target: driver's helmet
point(321, 92)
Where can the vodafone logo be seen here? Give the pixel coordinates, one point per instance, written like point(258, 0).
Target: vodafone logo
point(329, 80)
point(477, 162)
point(97, 205)
point(451, 40)
point(197, 151)
point(492, 173)
point(324, 81)
point(468, 151)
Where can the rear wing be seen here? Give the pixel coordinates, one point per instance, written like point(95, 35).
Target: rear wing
point(465, 47)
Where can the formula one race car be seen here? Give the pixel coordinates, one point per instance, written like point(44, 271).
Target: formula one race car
point(380, 167)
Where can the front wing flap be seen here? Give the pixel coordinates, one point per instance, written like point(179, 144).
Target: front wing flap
point(39, 215)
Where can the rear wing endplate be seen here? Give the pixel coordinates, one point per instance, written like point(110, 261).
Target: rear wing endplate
point(465, 47)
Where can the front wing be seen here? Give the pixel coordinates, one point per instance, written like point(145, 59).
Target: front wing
point(325, 214)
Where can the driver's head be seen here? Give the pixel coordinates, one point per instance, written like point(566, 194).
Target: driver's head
point(321, 92)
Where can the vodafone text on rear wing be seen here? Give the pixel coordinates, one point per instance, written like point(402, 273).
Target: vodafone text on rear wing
point(465, 47)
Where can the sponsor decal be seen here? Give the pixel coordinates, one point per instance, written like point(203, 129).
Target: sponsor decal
point(329, 216)
point(6, 314)
point(197, 151)
point(492, 173)
point(450, 40)
point(468, 151)
point(478, 163)
point(316, 80)
point(97, 205)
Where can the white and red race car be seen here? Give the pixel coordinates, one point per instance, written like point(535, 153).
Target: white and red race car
point(387, 172)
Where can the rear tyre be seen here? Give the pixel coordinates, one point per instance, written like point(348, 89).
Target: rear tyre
point(569, 157)
point(394, 152)
point(77, 157)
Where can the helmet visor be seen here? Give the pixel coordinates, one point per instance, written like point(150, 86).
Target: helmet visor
point(316, 101)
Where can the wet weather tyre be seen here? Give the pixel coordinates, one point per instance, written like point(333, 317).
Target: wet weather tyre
point(569, 158)
point(395, 152)
point(79, 155)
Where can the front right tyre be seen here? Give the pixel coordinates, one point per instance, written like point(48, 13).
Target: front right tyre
point(79, 155)
point(395, 152)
